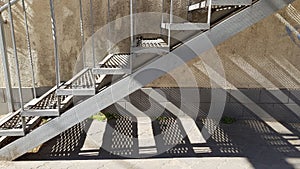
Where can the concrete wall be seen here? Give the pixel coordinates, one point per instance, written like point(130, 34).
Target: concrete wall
point(236, 107)
point(263, 45)
point(68, 32)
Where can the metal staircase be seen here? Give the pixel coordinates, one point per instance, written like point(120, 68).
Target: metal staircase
point(91, 82)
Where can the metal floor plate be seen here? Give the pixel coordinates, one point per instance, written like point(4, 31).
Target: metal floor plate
point(11, 125)
point(82, 84)
point(185, 26)
point(114, 64)
point(231, 2)
point(151, 45)
point(47, 105)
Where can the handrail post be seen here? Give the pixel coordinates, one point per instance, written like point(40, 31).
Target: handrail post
point(82, 34)
point(29, 50)
point(209, 12)
point(132, 42)
point(108, 29)
point(187, 10)
point(57, 65)
point(13, 38)
point(93, 31)
point(9, 96)
point(162, 15)
point(171, 21)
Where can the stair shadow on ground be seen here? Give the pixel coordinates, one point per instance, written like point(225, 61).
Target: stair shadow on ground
point(250, 138)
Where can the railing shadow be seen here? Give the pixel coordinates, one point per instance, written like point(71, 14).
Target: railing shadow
point(249, 138)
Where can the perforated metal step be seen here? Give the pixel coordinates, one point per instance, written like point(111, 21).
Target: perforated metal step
point(82, 84)
point(219, 4)
point(204, 5)
point(196, 6)
point(185, 26)
point(150, 45)
point(231, 2)
point(11, 125)
point(47, 105)
point(114, 64)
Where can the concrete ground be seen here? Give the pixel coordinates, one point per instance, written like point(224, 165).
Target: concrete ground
point(174, 163)
point(243, 144)
point(149, 132)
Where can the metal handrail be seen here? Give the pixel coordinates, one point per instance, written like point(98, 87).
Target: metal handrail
point(5, 6)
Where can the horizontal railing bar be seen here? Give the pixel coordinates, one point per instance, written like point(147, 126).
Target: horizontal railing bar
point(5, 6)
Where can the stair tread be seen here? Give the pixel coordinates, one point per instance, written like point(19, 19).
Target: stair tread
point(120, 60)
point(83, 83)
point(231, 2)
point(118, 64)
point(151, 43)
point(12, 124)
point(186, 26)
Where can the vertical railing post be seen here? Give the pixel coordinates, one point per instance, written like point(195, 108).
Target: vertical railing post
point(209, 12)
point(108, 22)
point(187, 11)
point(29, 49)
point(9, 96)
point(132, 43)
point(93, 31)
point(57, 68)
point(13, 39)
point(171, 21)
point(162, 15)
point(131, 23)
point(134, 8)
point(82, 34)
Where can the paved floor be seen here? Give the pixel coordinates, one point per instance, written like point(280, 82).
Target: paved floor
point(164, 138)
point(152, 132)
point(243, 144)
point(174, 163)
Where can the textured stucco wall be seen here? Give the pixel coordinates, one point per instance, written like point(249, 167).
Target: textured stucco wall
point(42, 43)
point(260, 45)
point(265, 46)
point(68, 32)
